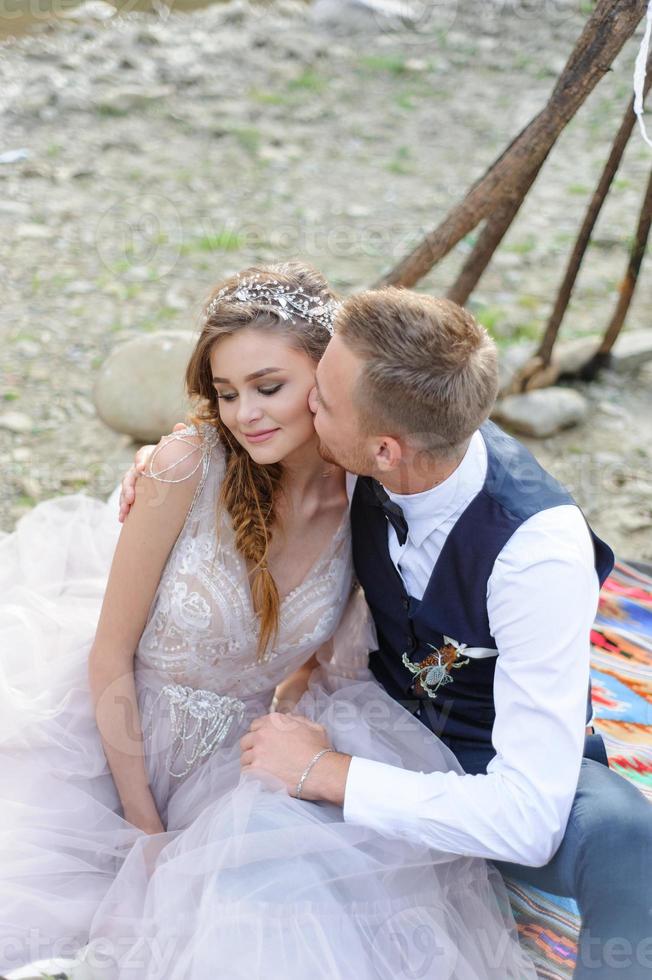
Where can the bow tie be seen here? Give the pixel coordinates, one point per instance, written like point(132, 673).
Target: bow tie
point(393, 512)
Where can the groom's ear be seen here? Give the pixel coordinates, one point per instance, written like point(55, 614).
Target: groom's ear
point(388, 453)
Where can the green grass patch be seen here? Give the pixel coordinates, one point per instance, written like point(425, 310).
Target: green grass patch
point(308, 80)
point(167, 313)
point(522, 61)
point(400, 163)
point(621, 184)
point(562, 239)
point(268, 98)
point(390, 63)
point(529, 302)
point(131, 290)
point(406, 101)
point(490, 317)
point(222, 241)
point(248, 137)
point(149, 325)
point(111, 111)
point(524, 247)
point(527, 330)
point(122, 265)
point(25, 501)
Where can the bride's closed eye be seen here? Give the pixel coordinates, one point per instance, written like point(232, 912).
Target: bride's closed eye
point(263, 391)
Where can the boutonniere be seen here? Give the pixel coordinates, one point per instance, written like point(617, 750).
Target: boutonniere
point(434, 671)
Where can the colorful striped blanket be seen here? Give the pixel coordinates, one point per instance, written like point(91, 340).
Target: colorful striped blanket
point(621, 681)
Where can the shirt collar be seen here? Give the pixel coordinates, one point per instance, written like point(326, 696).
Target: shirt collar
point(426, 511)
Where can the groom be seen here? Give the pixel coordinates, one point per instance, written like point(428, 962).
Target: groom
point(477, 563)
point(482, 577)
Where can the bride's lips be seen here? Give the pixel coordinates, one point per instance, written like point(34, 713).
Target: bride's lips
point(260, 436)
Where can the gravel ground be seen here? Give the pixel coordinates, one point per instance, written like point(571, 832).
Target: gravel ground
point(166, 150)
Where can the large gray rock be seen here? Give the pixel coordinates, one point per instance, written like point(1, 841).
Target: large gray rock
point(568, 357)
point(16, 422)
point(571, 356)
point(140, 386)
point(513, 359)
point(632, 349)
point(364, 16)
point(510, 361)
point(542, 412)
point(91, 10)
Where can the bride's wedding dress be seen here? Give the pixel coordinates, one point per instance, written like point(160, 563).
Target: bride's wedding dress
point(246, 882)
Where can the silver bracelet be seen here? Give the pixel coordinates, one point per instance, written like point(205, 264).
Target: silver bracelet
point(308, 768)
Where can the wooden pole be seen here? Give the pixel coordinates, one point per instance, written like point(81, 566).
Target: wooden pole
point(507, 179)
point(590, 218)
point(631, 275)
point(492, 235)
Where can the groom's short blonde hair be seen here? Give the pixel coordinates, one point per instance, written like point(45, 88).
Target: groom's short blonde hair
point(430, 370)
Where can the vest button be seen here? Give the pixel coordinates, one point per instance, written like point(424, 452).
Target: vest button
point(406, 603)
point(410, 644)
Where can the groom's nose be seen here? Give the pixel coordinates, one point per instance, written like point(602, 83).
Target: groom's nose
point(312, 401)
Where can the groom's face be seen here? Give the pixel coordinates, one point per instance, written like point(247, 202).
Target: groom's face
point(341, 439)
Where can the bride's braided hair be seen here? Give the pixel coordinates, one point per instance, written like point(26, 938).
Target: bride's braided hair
point(250, 490)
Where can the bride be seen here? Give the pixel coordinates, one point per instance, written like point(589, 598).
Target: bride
point(132, 835)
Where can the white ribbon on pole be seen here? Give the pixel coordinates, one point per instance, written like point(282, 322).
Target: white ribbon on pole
point(639, 73)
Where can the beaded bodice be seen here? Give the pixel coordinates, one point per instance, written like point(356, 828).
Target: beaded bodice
point(202, 630)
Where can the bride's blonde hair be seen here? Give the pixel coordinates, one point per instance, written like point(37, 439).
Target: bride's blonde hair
point(250, 490)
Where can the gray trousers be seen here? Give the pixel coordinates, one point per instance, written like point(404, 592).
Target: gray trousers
point(604, 862)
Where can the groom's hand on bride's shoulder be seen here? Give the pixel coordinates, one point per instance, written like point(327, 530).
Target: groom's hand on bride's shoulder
point(129, 480)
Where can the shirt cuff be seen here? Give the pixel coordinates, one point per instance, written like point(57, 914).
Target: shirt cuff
point(379, 795)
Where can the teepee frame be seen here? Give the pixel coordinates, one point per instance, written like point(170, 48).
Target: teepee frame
point(498, 195)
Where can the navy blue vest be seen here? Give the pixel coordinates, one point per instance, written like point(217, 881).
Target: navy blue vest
point(454, 603)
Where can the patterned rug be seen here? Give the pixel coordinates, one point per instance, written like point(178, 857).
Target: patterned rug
point(621, 681)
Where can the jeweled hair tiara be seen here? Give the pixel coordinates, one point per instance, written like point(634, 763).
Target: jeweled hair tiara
point(286, 301)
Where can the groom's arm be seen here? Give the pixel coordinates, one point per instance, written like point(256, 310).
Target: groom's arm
point(542, 599)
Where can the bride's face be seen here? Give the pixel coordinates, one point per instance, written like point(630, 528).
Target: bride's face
point(263, 385)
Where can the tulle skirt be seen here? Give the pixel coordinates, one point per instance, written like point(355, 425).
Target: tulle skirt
point(246, 881)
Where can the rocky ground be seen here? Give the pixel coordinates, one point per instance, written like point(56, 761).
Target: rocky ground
point(162, 151)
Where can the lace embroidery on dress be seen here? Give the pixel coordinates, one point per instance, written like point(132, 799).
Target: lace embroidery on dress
point(201, 635)
point(199, 719)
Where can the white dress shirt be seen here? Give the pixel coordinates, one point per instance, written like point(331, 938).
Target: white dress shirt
point(541, 601)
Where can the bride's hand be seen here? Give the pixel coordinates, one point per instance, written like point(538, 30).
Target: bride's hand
point(128, 491)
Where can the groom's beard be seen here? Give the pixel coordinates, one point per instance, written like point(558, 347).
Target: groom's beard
point(353, 462)
point(325, 453)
